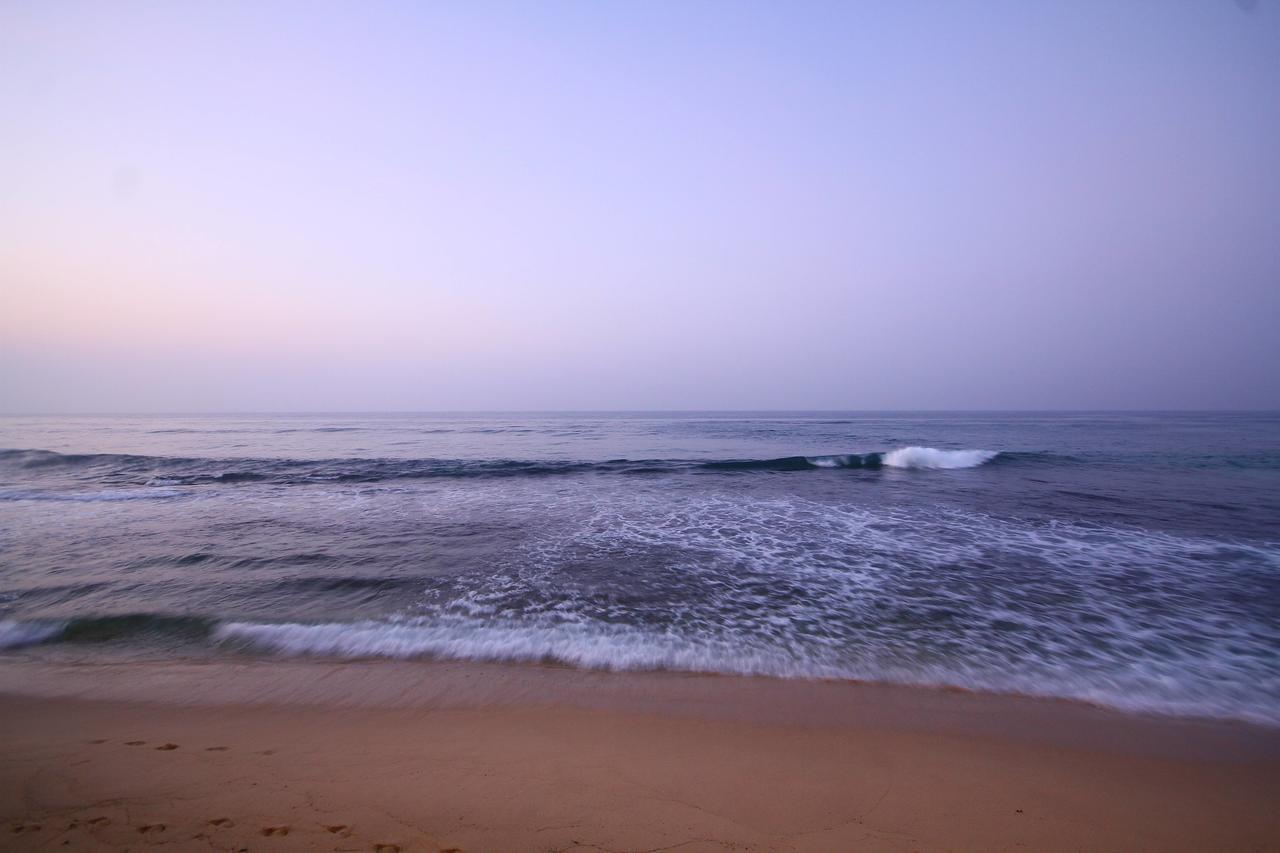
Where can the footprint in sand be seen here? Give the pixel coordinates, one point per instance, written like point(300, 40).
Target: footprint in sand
point(24, 828)
point(167, 746)
point(134, 742)
point(99, 821)
point(147, 828)
point(339, 829)
point(215, 749)
point(99, 740)
point(274, 830)
point(386, 848)
point(221, 821)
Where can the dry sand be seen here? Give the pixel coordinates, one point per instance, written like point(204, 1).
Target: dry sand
point(707, 764)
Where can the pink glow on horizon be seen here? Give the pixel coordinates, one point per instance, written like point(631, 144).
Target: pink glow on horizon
point(705, 205)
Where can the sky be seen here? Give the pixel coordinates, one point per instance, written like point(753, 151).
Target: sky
point(249, 206)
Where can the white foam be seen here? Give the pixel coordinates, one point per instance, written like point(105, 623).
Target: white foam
point(830, 461)
point(599, 647)
point(14, 634)
point(793, 588)
point(775, 584)
point(932, 457)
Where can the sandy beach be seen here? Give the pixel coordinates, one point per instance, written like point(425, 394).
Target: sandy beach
point(640, 427)
point(384, 756)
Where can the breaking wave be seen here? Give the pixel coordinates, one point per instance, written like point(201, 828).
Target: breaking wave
point(15, 634)
point(626, 648)
point(622, 648)
point(100, 629)
point(931, 457)
point(162, 471)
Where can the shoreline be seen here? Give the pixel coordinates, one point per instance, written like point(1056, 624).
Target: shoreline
point(40, 652)
point(500, 757)
point(377, 682)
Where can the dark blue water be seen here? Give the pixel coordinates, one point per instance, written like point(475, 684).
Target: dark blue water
point(1127, 559)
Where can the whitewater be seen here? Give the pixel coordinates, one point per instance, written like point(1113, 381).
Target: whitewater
point(1125, 560)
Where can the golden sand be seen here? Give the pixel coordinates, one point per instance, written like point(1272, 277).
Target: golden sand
point(721, 768)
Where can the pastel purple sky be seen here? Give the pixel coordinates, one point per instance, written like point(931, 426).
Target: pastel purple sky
point(630, 205)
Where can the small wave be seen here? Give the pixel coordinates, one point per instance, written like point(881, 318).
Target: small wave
point(107, 495)
point(798, 463)
point(128, 626)
point(160, 471)
point(615, 648)
point(903, 457)
point(842, 461)
point(99, 629)
point(36, 458)
point(15, 634)
point(621, 648)
point(783, 463)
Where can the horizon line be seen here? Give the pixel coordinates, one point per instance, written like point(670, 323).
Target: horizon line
point(352, 412)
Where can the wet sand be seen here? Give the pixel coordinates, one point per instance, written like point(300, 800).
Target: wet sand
point(316, 756)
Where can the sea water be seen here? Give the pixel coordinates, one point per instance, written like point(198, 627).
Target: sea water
point(1131, 560)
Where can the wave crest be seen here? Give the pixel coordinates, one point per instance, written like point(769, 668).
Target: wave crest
point(161, 471)
point(14, 634)
point(932, 457)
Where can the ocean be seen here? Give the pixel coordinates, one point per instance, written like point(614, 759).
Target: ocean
point(1129, 560)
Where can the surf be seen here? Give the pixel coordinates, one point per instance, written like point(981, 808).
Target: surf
point(166, 471)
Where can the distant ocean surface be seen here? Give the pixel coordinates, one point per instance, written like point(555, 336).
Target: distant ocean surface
point(1131, 560)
